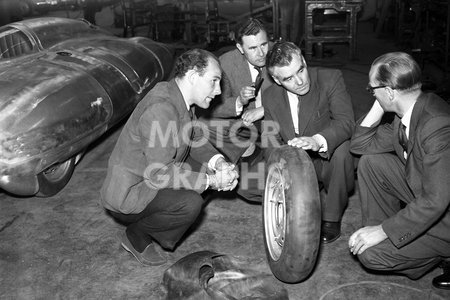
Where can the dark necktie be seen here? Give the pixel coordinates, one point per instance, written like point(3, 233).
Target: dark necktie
point(403, 140)
point(258, 81)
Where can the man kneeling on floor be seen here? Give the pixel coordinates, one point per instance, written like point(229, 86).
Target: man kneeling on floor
point(149, 186)
point(403, 174)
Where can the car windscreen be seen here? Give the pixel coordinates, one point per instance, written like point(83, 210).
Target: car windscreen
point(13, 43)
point(52, 32)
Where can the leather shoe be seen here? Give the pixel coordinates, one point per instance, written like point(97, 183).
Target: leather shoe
point(330, 231)
point(443, 281)
point(149, 257)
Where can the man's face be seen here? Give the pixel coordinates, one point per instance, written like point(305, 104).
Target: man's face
point(207, 86)
point(254, 48)
point(294, 77)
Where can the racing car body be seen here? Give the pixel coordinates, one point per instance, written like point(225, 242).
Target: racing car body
point(63, 83)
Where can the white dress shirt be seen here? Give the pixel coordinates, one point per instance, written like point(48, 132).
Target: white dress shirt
point(293, 104)
point(239, 106)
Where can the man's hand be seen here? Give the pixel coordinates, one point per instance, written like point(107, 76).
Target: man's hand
point(305, 142)
point(224, 180)
point(226, 176)
point(246, 94)
point(252, 115)
point(366, 237)
point(222, 164)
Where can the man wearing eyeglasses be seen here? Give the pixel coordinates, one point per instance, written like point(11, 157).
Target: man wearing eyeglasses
point(314, 112)
point(403, 174)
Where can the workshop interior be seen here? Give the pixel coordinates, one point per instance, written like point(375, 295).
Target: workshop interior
point(57, 241)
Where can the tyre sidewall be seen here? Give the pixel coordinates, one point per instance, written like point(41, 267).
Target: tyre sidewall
point(303, 215)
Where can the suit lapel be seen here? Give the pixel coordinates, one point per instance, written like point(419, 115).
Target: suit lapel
point(246, 76)
point(308, 105)
point(285, 118)
point(177, 99)
point(417, 111)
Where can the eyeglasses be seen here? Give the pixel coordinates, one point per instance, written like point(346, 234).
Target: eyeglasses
point(371, 89)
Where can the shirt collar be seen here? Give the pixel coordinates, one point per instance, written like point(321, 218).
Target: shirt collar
point(187, 105)
point(253, 70)
point(406, 120)
point(292, 95)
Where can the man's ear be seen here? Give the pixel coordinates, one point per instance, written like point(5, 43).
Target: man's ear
point(391, 93)
point(239, 46)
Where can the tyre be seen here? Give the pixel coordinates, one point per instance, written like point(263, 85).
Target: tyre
point(53, 179)
point(291, 214)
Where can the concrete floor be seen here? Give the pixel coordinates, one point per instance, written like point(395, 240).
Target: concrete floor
point(65, 247)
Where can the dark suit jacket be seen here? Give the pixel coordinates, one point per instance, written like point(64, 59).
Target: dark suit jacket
point(427, 169)
point(326, 109)
point(151, 151)
point(235, 75)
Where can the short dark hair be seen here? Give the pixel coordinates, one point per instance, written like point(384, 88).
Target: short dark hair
point(397, 70)
point(281, 54)
point(250, 27)
point(197, 59)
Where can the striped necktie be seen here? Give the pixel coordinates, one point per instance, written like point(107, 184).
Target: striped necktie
point(258, 81)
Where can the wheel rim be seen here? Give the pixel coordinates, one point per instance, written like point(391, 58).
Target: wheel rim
point(274, 212)
point(57, 172)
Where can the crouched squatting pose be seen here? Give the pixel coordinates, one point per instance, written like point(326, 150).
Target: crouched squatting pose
point(149, 186)
point(403, 174)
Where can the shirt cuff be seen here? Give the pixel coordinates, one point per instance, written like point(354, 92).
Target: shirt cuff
point(239, 107)
point(207, 181)
point(212, 162)
point(323, 146)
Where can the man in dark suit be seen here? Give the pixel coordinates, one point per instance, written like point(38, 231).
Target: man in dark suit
point(232, 117)
point(313, 110)
point(149, 186)
point(403, 174)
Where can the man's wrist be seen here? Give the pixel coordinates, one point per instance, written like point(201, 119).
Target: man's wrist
point(207, 181)
point(321, 141)
point(212, 163)
point(212, 181)
point(239, 106)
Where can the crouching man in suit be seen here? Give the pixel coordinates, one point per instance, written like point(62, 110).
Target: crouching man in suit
point(403, 174)
point(314, 112)
point(149, 186)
